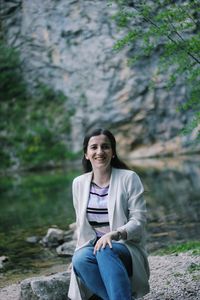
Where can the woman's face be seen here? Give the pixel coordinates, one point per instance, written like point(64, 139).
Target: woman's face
point(99, 152)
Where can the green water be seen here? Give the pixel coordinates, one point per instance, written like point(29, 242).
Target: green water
point(30, 203)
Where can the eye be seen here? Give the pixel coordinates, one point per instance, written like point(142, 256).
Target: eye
point(93, 147)
point(106, 146)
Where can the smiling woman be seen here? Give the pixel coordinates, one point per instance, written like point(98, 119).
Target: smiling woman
point(110, 139)
point(99, 153)
point(110, 259)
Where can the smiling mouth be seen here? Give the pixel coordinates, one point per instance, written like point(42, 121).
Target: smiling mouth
point(100, 158)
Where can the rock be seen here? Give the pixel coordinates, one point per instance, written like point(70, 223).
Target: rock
point(53, 287)
point(66, 249)
point(100, 86)
point(53, 238)
point(74, 235)
point(73, 228)
point(68, 235)
point(3, 260)
point(32, 239)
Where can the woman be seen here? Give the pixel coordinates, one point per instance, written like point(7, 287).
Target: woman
point(110, 259)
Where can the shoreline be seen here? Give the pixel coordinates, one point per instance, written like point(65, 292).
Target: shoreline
point(174, 276)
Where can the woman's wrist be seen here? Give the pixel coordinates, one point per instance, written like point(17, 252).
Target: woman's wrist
point(119, 235)
point(116, 235)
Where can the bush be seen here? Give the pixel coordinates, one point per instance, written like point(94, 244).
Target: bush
point(35, 127)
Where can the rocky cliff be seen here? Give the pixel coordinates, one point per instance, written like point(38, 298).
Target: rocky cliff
point(68, 45)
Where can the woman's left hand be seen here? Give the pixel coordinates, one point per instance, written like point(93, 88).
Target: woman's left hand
point(106, 239)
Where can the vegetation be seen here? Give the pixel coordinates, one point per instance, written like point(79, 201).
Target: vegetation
point(193, 246)
point(172, 29)
point(34, 130)
point(194, 267)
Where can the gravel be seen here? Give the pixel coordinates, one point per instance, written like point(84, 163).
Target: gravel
point(173, 277)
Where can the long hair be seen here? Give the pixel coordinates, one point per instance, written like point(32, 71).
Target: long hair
point(115, 161)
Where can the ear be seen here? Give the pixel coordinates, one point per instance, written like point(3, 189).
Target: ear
point(86, 156)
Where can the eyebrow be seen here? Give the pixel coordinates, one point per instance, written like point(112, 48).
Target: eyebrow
point(101, 144)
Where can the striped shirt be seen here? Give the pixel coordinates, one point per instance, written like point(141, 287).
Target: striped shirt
point(97, 210)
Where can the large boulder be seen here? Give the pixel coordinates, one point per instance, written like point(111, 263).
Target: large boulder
point(53, 287)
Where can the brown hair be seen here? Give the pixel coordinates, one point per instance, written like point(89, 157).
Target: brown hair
point(115, 161)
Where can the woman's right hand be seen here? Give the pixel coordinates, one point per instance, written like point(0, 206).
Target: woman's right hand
point(106, 239)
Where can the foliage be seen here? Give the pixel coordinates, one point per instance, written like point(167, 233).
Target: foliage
point(35, 128)
point(171, 28)
point(194, 267)
point(193, 246)
point(12, 85)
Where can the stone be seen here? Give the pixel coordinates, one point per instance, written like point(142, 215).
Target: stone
point(53, 238)
point(3, 260)
point(68, 235)
point(66, 249)
point(53, 287)
point(32, 239)
point(73, 228)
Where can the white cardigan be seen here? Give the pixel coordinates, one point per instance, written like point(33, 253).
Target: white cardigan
point(126, 210)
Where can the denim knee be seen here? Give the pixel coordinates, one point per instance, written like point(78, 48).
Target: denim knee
point(81, 257)
point(105, 251)
point(118, 251)
point(78, 259)
point(75, 259)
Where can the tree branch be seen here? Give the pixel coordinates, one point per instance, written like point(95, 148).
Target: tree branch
point(148, 20)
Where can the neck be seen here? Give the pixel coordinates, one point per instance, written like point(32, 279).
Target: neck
point(102, 177)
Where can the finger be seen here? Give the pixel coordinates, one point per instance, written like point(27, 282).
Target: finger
point(104, 244)
point(97, 246)
point(101, 245)
point(110, 244)
point(95, 249)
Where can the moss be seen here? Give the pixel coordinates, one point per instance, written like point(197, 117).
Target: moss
point(196, 278)
point(194, 267)
point(192, 246)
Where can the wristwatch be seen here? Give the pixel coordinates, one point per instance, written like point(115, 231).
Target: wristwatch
point(119, 236)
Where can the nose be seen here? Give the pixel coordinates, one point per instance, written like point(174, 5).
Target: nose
point(99, 150)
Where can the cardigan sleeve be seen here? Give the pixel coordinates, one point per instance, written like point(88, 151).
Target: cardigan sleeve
point(75, 199)
point(136, 208)
point(74, 194)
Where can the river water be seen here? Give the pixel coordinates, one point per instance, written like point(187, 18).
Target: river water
point(30, 203)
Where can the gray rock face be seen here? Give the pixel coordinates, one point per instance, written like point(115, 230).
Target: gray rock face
point(68, 45)
point(54, 287)
point(66, 249)
point(53, 238)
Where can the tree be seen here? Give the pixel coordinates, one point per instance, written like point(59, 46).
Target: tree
point(35, 127)
point(172, 28)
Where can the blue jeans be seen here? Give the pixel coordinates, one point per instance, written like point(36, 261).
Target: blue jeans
point(106, 273)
